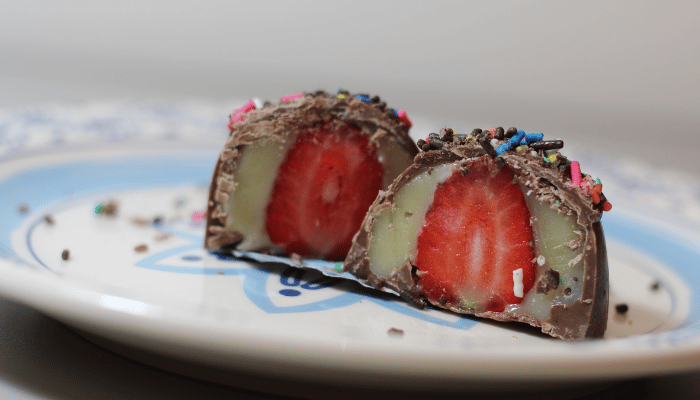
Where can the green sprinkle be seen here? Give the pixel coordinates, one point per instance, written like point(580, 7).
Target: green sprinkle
point(98, 209)
point(339, 267)
point(597, 181)
point(546, 160)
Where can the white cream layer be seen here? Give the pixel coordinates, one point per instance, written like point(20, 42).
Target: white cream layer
point(395, 230)
point(551, 231)
point(254, 180)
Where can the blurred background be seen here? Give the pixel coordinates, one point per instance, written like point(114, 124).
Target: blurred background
point(622, 76)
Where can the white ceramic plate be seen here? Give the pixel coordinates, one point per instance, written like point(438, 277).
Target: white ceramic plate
point(141, 278)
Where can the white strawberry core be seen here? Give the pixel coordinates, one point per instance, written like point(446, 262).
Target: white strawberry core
point(331, 189)
point(518, 282)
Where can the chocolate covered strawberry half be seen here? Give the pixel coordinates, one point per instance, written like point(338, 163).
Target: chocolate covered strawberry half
point(298, 177)
point(494, 223)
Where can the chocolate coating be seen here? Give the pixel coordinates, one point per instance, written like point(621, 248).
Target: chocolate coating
point(583, 318)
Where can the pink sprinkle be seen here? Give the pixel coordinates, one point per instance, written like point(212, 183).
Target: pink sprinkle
point(575, 173)
point(249, 106)
point(198, 217)
point(236, 118)
point(403, 117)
point(292, 96)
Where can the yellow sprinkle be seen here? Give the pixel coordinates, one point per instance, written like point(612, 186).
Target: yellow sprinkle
point(341, 96)
point(520, 149)
point(553, 158)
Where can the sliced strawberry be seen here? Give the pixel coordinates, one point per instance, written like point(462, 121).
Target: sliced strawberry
point(324, 187)
point(476, 233)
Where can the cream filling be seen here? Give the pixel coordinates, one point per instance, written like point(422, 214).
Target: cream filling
point(395, 230)
point(551, 231)
point(254, 180)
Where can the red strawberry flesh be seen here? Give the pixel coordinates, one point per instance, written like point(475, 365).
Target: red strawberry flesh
point(476, 233)
point(324, 187)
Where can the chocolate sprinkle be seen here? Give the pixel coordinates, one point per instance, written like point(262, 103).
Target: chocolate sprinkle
point(511, 132)
point(48, 219)
point(547, 145)
point(446, 134)
point(486, 144)
point(656, 285)
point(435, 143)
point(141, 248)
point(622, 308)
point(110, 208)
point(500, 133)
point(65, 255)
point(395, 332)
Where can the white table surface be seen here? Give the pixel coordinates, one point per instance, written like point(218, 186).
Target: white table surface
point(622, 76)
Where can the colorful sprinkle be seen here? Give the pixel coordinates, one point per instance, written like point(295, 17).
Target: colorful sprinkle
point(401, 114)
point(364, 99)
point(595, 193)
point(292, 96)
point(198, 216)
point(575, 173)
point(503, 148)
point(532, 137)
point(247, 107)
point(517, 138)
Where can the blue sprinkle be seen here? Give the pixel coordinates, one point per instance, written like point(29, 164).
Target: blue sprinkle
point(396, 113)
point(517, 138)
point(364, 98)
point(504, 147)
point(532, 137)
